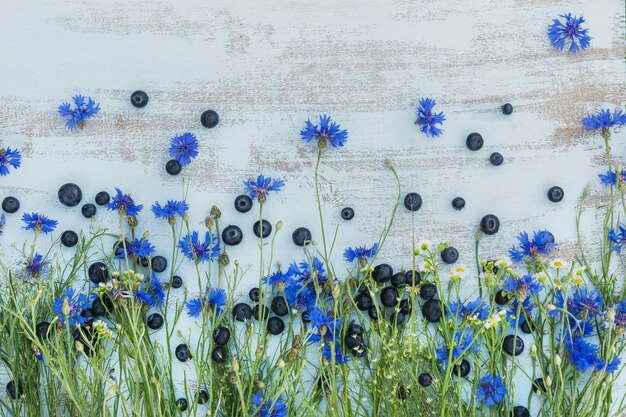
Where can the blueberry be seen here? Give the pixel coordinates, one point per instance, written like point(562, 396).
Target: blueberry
point(389, 297)
point(539, 385)
point(398, 318)
point(527, 326)
point(265, 311)
point(13, 392)
point(513, 345)
point(555, 194)
point(88, 315)
point(243, 203)
point(41, 329)
point(507, 108)
point(279, 306)
point(182, 405)
point(306, 317)
point(69, 238)
point(490, 224)
point(98, 272)
point(520, 411)
point(405, 307)
point(139, 99)
point(202, 397)
point(353, 340)
point(242, 312)
point(70, 195)
point(119, 246)
point(232, 235)
point(462, 369)
point(355, 328)
point(501, 297)
point(103, 198)
point(496, 159)
point(221, 335)
point(254, 294)
point(159, 263)
point(88, 210)
point(182, 353)
point(347, 213)
point(449, 255)
point(267, 229)
point(173, 167)
point(382, 273)
point(219, 354)
point(474, 141)
point(413, 201)
point(275, 325)
point(402, 393)
point(363, 301)
point(373, 313)
point(431, 310)
point(10, 205)
point(301, 236)
point(155, 321)
point(398, 280)
point(458, 203)
point(177, 282)
point(428, 291)
point(209, 119)
point(413, 278)
point(101, 306)
point(425, 379)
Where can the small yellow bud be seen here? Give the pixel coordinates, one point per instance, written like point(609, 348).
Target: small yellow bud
point(279, 225)
point(533, 350)
point(235, 365)
point(557, 360)
point(548, 381)
point(280, 363)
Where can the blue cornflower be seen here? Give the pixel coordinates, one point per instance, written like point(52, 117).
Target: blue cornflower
point(523, 286)
point(152, 293)
point(582, 354)
point(124, 204)
point(39, 223)
point(195, 250)
point(69, 307)
point(427, 119)
point(184, 148)
point(10, 157)
point(619, 239)
point(36, 267)
point(82, 111)
point(360, 253)
point(261, 408)
point(490, 391)
point(340, 358)
point(571, 30)
point(3, 222)
point(604, 120)
point(610, 177)
point(582, 304)
point(620, 314)
point(541, 243)
point(170, 210)
point(525, 311)
point(138, 248)
point(323, 326)
point(260, 188)
point(462, 343)
point(304, 271)
point(325, 133)
point(212, 302)
point(478, 308)
point(277, 279)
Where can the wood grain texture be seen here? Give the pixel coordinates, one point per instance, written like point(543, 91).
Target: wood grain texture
point(265, 67)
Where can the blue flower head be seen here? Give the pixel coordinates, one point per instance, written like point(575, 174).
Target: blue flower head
point(260, 188)
point(212, 302)
point(36, 267)
point(490, 391)
point(327, 353)
point(124, 204)
point(9, 157)
point(522, 287)
point(198, 251)
point(570, 30)
point(585, 355)
point(262, 408)
point(138, 248)
point(428, 119)
point(620, 314)
point(324, 326)
point(304, 271)
point(68, 308)
point(542, 243)
point(463, 343)
point(325, 133)
point(618, 239)
point(184, 148)
point(3, 222)
point(525, 311)
point(151, 293)
point(170, 210)
point(82, 110)
point(604, 120)
point(39, 223)
point(611, 178)
point(277, 279)
point(360, 253)
point(478, 308)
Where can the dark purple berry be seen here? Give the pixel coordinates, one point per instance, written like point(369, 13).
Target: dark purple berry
point(221, 335)
point(139, 99)
point(513, 345)
point(490, 224)
point(474, 141)
point(275, 325)
point(363, 301)
point(267, 229)
point(219, 354)
point(242, 312)
point(98, 272)
point(431, 310)
point(301, 236)
point(69, 238)
point(507, 108)
point(398, 280)
point(10, 205)
point(155, 321)
point(389, 297)
point(159, 263)
point(173, 167)
point(449, 255)
point(182, 353)
point(458, 203)
point(496, 159)
point(103, 198)
point(243, 203)
point(347, 213)
point(413, 201)
point(428, 291)
point(70, 195)
point(177, 282)
point(555, 194)
point(382, 273)
point(425, 379)
point(209, 119)
point(88, 210)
